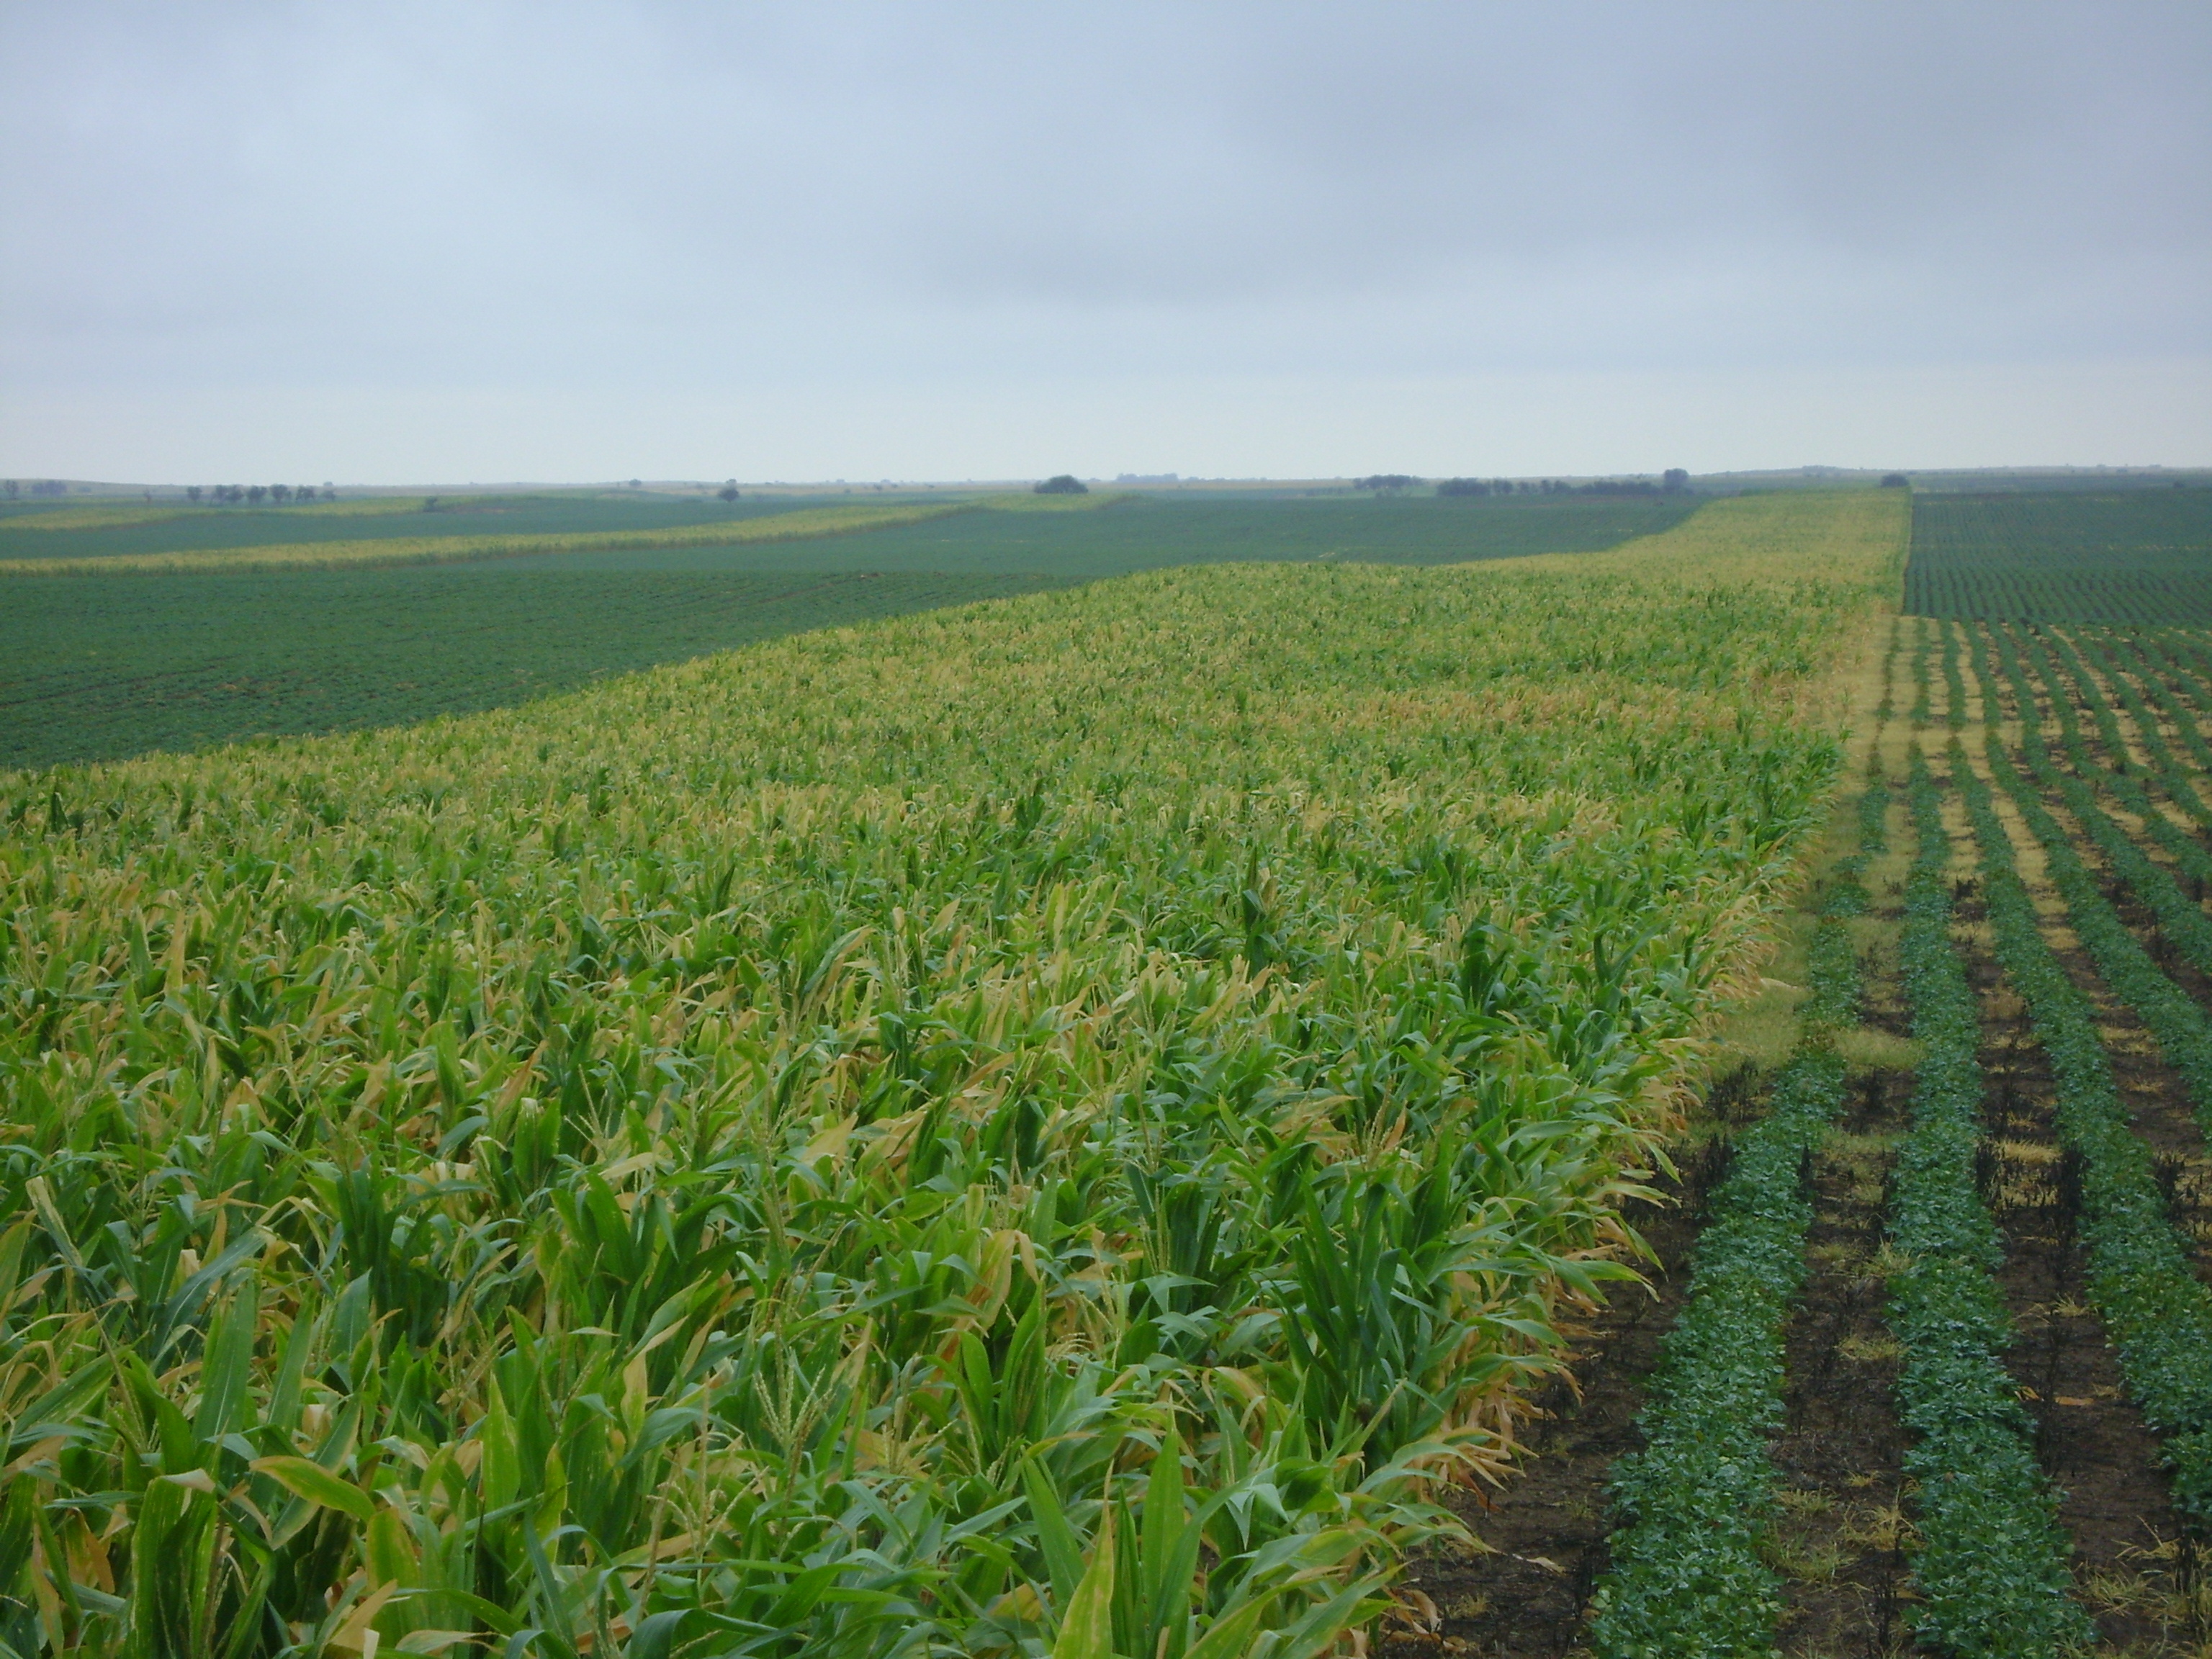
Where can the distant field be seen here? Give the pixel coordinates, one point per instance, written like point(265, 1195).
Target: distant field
point(1152, 533)
point(100, 666)
point(25, 535)
point(2138, 555)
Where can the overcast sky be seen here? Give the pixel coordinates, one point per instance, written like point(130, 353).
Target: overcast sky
point(459, 241)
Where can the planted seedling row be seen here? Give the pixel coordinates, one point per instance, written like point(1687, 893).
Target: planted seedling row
point(1990, 1561)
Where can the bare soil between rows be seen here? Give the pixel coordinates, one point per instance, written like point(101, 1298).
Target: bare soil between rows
point(1545, 1529)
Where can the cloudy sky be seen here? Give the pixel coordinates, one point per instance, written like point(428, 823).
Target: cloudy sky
point(477, 241)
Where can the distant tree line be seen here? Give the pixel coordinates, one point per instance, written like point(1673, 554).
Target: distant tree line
point(38, 487)
point(1063, 484)
point(1673, 481)
point(255, 495)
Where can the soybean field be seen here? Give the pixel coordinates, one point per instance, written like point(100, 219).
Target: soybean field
point(1084, 1124)
point(2138, 555)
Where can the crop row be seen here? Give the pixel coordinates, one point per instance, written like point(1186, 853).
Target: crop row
point(2161, 668)
point(2166, 768)
point(2119, 772)
point(2159, 1315)
point(2181, 920)
point(1690, 1570)
point(2124, 597)
point(1052, 1124)
point(2181, 1027)
point(1991, 1560)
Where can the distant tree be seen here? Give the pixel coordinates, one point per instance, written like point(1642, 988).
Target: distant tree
point(728, 492)
point(280, 493)
point(636, 484)
point(254, 493)
point(193, 493)
point(430, 503)
point(1387, 484)
point(1463, 487)
point(1895, 481)
point(1063, 484)
point(329, 494)
point(15, 489)
point(1676, 480)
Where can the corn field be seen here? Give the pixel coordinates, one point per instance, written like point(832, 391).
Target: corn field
point(1061, 1126)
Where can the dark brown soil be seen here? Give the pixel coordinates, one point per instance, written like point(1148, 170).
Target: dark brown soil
point(1546, 1529)
point(2128, 1561)
point(1842, 1453)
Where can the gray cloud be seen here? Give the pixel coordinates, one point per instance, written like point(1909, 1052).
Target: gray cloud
point(353, 232)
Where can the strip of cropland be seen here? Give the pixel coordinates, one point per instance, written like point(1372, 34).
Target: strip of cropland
point(1047, 1125)
point(111, 661)
point(2138, 555)
point(449, 548)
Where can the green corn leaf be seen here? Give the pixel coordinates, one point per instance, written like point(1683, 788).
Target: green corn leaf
point(1086, 1630)
point(1230, 1636)
point(226, 1363)
point(1063, 1552)
point(316, 1484)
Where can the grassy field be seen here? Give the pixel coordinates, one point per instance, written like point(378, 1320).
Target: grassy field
point(1049, 1126)
point(2141, 556)
point(120, 661)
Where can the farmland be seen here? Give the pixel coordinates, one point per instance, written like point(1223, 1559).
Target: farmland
point(137, 531)
point(1120, 1118)
point(2139, 555)
point(1067, 1124)
point(114, 660)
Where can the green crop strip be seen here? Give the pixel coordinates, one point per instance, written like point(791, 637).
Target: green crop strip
point(1847, 895)
point(1954, 712)
point(1920, 682)
point(1991, 1560)
point(2157, 1313)
point(1696, 1507)
point(803, 524)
